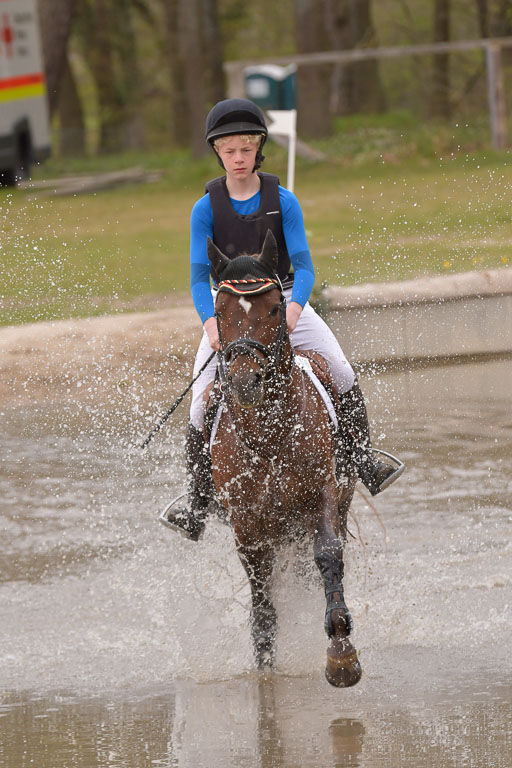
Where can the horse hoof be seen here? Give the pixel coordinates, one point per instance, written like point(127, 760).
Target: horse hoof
point(342, 671)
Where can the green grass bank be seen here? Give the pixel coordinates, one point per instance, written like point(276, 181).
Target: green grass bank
point(380, 207)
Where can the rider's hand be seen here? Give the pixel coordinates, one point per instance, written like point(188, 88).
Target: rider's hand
point(293, 312)
point(212, 331)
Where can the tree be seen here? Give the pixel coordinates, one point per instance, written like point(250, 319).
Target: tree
point(196, 65)
point(98, 25)
point(483, 17)
point(440, 100)
point(212, 46)
point(177, 66)
point(345, 88)
point(356, 87)
point(313, 82)
point(494, 17)
point(71, 116)
point(106, 30)
point(55, 17)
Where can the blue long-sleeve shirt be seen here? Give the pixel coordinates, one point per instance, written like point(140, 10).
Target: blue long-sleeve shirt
point(201, 227)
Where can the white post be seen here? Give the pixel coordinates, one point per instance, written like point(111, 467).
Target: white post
point(496, 95)
point(284, 123)
point(292, 141)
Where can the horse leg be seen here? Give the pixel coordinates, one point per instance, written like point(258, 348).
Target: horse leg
point(343, 668)
point(258, 563)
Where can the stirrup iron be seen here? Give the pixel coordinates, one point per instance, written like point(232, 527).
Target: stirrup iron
point(400, 466)
point(164, 514)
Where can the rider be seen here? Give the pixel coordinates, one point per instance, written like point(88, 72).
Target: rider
point(236, 212)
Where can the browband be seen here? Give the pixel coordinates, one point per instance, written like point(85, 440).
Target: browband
point(249, 285)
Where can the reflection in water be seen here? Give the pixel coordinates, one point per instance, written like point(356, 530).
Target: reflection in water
point(347, 737)
point(270, 742)
point(63, 732)
point(255, 723)
point(121, 645)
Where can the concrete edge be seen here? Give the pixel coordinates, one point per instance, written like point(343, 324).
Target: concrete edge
point(422, 290)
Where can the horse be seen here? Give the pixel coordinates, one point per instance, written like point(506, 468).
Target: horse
point(274, 454)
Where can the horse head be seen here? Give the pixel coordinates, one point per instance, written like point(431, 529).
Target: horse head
point(251, 315)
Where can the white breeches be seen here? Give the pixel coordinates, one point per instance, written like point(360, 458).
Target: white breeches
point(311, 333)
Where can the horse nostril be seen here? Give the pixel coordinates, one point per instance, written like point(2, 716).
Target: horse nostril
point(253, 381)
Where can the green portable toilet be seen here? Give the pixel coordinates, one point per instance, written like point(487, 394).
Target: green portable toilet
point(271, 86)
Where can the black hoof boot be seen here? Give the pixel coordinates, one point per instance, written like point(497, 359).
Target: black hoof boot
point(264, 630)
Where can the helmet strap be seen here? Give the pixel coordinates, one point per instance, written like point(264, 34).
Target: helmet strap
point(259, 159)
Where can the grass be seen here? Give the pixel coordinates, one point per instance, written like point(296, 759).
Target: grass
point(387, 204)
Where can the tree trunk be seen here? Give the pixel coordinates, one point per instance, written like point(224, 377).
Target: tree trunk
point(130, 90)
point(193, 59)
point(483, 17)
point(313, 93)
point(196, 65)
point(180, 116)
point(356, 87)
point(99, 21)
point(440, 101)
point(500, 22)
point(71, 116)
point(55, 18)
point(212, 47)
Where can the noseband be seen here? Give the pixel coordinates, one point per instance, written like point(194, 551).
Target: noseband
point(267, 357)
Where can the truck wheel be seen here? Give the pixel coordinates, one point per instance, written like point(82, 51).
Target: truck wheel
point(20, 171)
point(8, 177)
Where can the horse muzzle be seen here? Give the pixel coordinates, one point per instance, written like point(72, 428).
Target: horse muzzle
point(247, 363)
point(247, 386)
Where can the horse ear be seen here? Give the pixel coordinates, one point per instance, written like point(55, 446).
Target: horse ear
point(217, 258)
point(269, 254)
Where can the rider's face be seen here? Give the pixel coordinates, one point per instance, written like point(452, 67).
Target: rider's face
point(238, 156)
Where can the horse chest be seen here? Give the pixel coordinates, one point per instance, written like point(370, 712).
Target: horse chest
point(268, 465)
point(265, 486)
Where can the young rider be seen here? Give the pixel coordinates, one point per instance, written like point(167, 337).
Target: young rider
point(236, 212)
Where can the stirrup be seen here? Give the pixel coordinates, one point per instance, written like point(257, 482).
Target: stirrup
point(400, 466)
point(192, 528)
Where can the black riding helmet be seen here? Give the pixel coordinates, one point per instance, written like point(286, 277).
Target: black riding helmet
point(236, 116)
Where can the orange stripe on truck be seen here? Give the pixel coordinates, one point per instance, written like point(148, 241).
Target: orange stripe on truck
point(16, 82)
point(22, 87)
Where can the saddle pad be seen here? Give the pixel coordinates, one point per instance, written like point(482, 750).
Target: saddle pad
point(305, 365)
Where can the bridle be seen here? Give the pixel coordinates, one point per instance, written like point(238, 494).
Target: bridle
point(269, 357)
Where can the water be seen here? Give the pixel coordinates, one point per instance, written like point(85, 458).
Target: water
point(123, 645)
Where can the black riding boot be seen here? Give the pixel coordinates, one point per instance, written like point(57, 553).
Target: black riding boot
point(190, 520)
point(354, 433)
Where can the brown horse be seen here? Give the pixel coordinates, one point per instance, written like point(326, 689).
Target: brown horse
point(274, 453)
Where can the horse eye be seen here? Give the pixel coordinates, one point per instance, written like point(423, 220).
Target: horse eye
point(275, 310)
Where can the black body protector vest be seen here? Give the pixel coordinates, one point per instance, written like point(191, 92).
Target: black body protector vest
point(235, 235)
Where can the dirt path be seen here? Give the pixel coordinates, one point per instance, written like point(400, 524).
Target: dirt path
point(99, 358)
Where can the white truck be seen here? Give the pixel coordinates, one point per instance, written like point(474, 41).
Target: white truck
point(24, 118)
